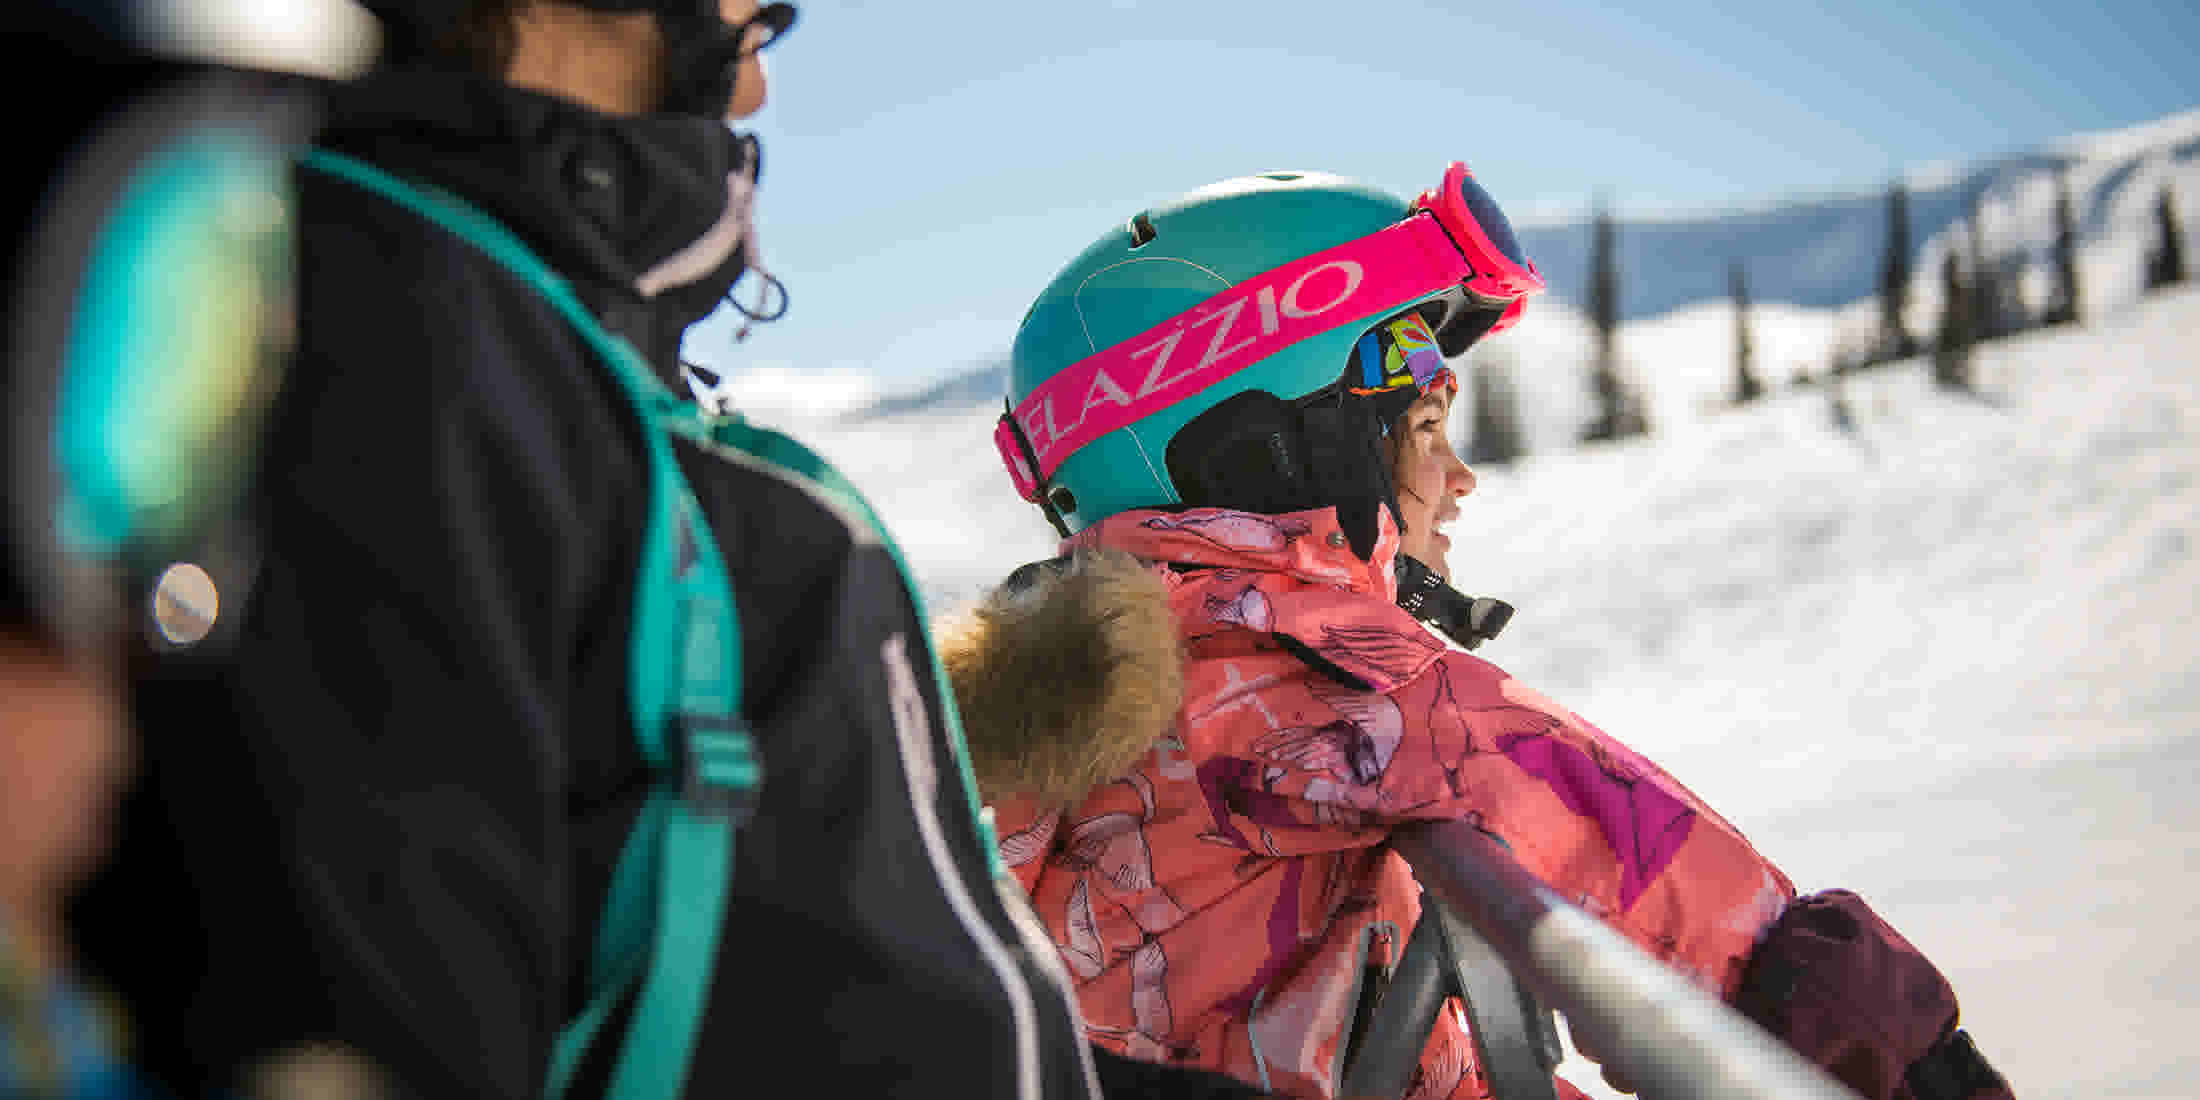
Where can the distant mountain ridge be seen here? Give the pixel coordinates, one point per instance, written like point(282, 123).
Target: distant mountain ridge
point(1824, 253)
point(977, 385)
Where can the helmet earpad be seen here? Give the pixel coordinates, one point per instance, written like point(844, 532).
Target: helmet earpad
point(1256, 452)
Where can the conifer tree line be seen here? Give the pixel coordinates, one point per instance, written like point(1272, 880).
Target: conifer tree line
point(1981, 297)
point(1895, 341)
point(1747, 387)
point(1981, 300)
point(1495, 435)
point(1619, 408)
point(2166, 260)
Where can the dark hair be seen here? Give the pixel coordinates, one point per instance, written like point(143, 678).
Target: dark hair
point(479, 35)
point(484, 36)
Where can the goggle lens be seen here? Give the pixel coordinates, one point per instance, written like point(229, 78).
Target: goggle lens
point(175, 344)
point(1492, 219)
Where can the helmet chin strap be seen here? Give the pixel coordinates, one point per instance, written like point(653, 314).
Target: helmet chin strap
point(1468, 620)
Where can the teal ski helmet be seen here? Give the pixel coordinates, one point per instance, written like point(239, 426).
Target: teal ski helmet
point(1275, 286)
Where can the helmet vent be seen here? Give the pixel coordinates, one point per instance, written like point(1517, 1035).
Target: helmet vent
point(1063, 500)
point(1142, 231)
point(1280, 177)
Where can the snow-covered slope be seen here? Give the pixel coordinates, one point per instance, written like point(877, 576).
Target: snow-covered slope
point(1946, 658)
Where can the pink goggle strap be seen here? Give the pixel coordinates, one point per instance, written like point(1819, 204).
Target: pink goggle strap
point(1122, 384)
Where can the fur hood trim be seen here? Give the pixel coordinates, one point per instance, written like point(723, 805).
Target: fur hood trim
point(1066, 674)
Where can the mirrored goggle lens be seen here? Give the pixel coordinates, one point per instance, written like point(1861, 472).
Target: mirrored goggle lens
point(1492, 220)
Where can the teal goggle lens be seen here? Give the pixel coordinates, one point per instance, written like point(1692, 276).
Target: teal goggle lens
point(180, 325)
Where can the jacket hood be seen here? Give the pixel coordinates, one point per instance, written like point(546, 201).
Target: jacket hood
point(1066, 674)
point(1070, 671)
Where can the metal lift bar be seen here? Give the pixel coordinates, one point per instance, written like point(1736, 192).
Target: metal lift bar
point(1669, 1038)
point(1399, 1025)
point(1515, 1039)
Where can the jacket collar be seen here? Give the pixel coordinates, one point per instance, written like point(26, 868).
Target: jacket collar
point(1330, 609)
point(1310, 546)
point(636, 210)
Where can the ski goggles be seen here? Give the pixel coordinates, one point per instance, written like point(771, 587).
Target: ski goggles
point(149, 328)
point(1456, 241)
point(1398, 357)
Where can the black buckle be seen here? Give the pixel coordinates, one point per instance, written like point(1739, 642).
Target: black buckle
point(1468, 620)
point(720, 772)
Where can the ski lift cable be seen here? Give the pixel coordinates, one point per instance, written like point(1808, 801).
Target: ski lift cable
point(1671, 1039)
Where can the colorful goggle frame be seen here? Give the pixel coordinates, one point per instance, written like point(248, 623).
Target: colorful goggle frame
point(1455, 239)
point(1399, 354)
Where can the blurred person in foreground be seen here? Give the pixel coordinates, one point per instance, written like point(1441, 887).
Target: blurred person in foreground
point(404, 797)
point(1202, 723)
point(147, 287)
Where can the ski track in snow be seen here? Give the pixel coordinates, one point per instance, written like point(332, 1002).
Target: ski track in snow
point(1946, 659)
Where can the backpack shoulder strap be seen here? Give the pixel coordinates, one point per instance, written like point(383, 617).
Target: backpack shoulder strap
point(661, 920)
point(784, 454)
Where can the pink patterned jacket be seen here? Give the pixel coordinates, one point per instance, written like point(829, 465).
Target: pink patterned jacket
point(1220, 900)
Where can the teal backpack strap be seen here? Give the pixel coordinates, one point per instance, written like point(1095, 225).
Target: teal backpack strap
point(666, 904)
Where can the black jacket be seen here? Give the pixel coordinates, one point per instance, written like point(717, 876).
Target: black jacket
point(387, 813)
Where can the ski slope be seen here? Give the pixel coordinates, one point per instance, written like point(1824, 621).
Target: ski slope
point(1945, 658)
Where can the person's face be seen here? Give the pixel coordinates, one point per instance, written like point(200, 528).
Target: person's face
point(64, 756)
point(749, 89)
point(1430, 478)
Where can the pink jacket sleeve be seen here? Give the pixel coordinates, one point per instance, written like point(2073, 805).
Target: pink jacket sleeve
point(1604, 826)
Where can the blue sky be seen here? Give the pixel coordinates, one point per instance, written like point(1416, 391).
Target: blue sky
point(928, 167)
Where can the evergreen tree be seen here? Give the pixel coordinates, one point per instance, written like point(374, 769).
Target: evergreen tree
point(1895, 341)
point(2166, 264)
point(1958, 326)
point(1495, 436)
point(1746, 386)
point(1618, 412)
point(2062, 309)
point(1986, 315)
point(1604, 283)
